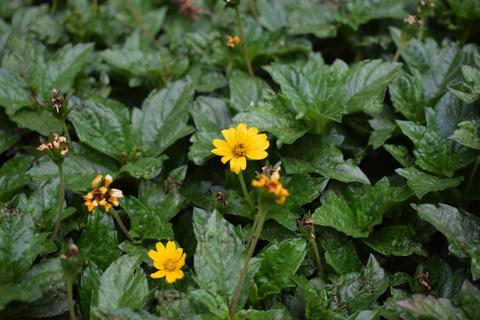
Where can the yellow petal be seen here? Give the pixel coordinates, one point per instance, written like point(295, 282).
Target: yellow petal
point(178, 274)
point(181, 262)
point(234, 165)
point(171, 249)
point(171, 277)
point(96, 181)
point(159, 274)
point(178, 254)
point(159, 265)
point(230, 137)
point(154, 255)
point(108, 180)
point(241, 133)
point(251, 134)
point(221, 144)
point(227, 158)
point(257, 155)
point(161, 249)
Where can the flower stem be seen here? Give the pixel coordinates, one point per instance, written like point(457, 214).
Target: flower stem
point(65, 131)
point(255, 223)
point(262, 213)
point(54, 6)
point(315, 248)
point(254, 12)
point(94, 10)
point(245, 52)
point(120, 223)
point(70, 296)
point(244, 188)
point(400, 47)
point(470, 181)
point(137, 18)
point(62, 200)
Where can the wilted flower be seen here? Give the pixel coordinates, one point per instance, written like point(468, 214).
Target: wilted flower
point(233, 41)
point(272, 186)
point(58, 103)
point(413, 20)
point(241, 144)
point(56, 148)
point(102, 195)
point(168, 261)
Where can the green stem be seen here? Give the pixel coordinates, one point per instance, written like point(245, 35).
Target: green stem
point(397, 54)
point(62, 200)
point(54, 6)
point(120, 223)
point(137, 18)
point(315, 248)
point(65, 132)
point(244, 188)
point(255, 223)
point(242, 37)
point(70, 296)
point(94, 10)
point(254, 12)
point(262, 213)
point(470, 181)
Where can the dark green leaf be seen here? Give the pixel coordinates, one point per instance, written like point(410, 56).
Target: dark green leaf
point(359, 12)
point(340, 252)
point(271, 15)
point(407, 97)
point(215, 303)
point(469, 300)
point(90, 282)
point(145, 168)
point(395, 240)
point(466, 134)
point(13, 176)
point(41, 121)
point(14, 92)
point(310, 17)
point(382, 130)
point(401, 154)
point(206, 78)
point(241, 83)
point(9, 133)
point(157, 128)
point(431, 307)
point(123, 313)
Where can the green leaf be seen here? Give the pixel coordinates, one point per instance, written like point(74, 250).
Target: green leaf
point(458, 226)
point(338, 215)
point(215, 303)
point(466, 134)
point(240, 84)
point(360, 12)
point(90, 283)
point(7, 9)
point(206, 78)
point(13, 176)
point(220, 257)
point(99, 239)
point(9, 133)
point(19, 246)
point(158, 128)
point(14, 92)
point(431, 307)
point(395, 240)
point(469, 300)
point(401, 154)
point(211, 115)
point(271, 15)
point(310, 17)
point(145, 168)
point(466, 9)
point(122, 285)
point(422, 183)
point(318, 154)
point(279, 262)
point(80, 169)
point(104, 129)
point(468, 90)
point(382, 130)
point(41, 121)
point(340, 252)
point(123, 313)
point(273, 116)
point(407, 97)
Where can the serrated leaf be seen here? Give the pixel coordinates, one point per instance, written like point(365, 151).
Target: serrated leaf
point(13, 176)
point(99, 239)
point(310, 17)
point(163, 118)
point(103, 128)
point(211, 115)
point(422, 183)
point(220, 257)
point(395, 240)
point(359, 12)
point(407, 97)
point(431, 307)
point(14, 92)
point(41, 121)
point(466, 134)
point(271, 15)
point(19, 246)
point(80, 169)
point(458, 226)
point(318, 154)
point(279, 262)
point(241, 83)
point(401, 154)
point(122, 285)
point(145, 168)
point(382, 130)
point(340, 252)
point(469, 300)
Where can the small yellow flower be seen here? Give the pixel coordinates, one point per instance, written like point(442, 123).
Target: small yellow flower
point(272, 185)
point(241, 144)
point(168, 261)
point(233, 41)
point(98, 196)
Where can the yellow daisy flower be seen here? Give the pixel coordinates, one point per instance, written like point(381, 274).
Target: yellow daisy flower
point(168, 261)
point(241, 144)
point(273, 186)
point(102, 196)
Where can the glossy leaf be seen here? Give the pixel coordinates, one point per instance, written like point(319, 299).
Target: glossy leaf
point(340, 251)
point(429, 306)
point(395, 240)
point(469, 300)
point(241, 83)
point(13, 176)
point(145, 168)
point(466, 134)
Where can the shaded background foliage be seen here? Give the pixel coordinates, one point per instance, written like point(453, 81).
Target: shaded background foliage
point(381, 155)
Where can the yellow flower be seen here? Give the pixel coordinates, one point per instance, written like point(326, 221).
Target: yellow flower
point(273, 186)
point(168, 261)
point(233, 41)
point(241, 144)
point(98, 196)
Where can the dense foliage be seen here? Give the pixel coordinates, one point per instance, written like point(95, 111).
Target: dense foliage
point(379, 158)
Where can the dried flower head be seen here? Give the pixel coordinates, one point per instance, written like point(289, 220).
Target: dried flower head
point(233, 41)
point(102, 196)
point(272, 185)
point(413, 20)
point(56, 148)
point(241, 144)
point(188, 8)
point(168, 261)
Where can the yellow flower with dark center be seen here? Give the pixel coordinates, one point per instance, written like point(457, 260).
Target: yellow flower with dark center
point(233, 41)
point(273, 186)
point(168, 261)
point(241, 144)
point(102, 196)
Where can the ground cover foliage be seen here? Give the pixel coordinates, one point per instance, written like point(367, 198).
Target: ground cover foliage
point(379, 157)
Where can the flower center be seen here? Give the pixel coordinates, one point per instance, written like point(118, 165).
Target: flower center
point(170, 265)
point(239, 150)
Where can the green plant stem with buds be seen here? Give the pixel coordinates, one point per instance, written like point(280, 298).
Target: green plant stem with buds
point(120, 223)
point(262, 214)
point(242, 37)
point(62, 200)
point(244, 188)
point(70, 296)
point(137, 18)
point(65, 131)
